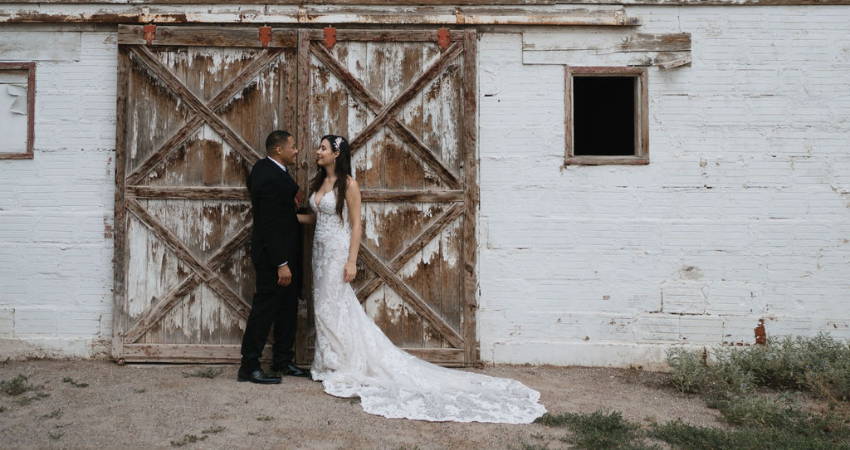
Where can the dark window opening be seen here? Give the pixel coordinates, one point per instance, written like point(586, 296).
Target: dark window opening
point(604, 115)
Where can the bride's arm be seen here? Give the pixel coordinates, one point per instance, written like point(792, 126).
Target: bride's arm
point(306, 219)
point(352, 198)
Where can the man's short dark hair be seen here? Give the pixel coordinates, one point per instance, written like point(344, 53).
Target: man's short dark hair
point(277, 137)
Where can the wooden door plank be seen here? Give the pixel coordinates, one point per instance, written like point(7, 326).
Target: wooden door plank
point(387, 35)
point(452, 357)
point(412, 195)
point(189, 192)
point(188, 353)
point(410, 138)
point(189, 36)
point(390, 109)
point(470, 171)
point(199, 106)
point(188, 129)
point(203, 271)
point(304, 141)
point(119, 222)
point(161, 307)
point(410, 297)
point(426, 236)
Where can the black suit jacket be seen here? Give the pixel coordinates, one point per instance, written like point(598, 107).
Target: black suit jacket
point(276, 236)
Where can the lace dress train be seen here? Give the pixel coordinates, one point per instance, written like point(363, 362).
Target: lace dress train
point(354, 358)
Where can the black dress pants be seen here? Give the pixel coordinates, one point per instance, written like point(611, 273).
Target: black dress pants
point(272, 305)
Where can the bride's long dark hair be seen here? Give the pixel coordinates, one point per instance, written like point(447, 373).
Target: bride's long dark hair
point(342, 169)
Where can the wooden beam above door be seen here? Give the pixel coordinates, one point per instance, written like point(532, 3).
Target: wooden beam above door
point(287, 14)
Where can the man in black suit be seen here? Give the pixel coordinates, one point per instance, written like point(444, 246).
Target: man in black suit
point(275, 252)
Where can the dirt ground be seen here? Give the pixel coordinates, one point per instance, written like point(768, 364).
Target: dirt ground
point(149, 406)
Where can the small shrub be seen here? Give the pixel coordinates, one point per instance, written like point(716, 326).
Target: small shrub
point(689, 372)
point(55, 435)
point(597, 430)
point(265, 418)
point(213, 430)
point(819, 364)
point(756, 410)
point(204, 373)
point(17, 386)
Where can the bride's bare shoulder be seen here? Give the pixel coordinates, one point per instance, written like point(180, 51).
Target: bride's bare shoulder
point(351, 182)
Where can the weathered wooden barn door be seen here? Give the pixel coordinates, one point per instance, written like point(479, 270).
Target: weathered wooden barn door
point(406, 100)
point(194, 107)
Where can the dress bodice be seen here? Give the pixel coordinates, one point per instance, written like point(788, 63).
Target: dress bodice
point(327, 220)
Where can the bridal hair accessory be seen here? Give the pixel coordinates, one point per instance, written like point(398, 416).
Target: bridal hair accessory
point(337, 142)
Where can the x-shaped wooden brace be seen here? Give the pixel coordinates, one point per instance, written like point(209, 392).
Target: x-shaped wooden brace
point(204, 271)
point(204, 112)
point(387, 273)
point(385, 114)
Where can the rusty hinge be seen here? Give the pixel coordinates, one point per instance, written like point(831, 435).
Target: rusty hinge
point(330, 37)
point(265, 36)
point(150, 33)
point(443, 38)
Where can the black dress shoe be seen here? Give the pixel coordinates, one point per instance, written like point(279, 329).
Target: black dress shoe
point(290, 370)
point(257, 376)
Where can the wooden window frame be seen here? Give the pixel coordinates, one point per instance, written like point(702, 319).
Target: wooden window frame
point(641, 155)
point(30, 68)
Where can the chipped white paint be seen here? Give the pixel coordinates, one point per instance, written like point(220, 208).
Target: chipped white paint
point(451, 233)
point(741, 215)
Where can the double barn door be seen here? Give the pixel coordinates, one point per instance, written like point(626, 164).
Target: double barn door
point(194, 108)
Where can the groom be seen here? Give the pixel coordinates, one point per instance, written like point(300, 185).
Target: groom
point(275, 252)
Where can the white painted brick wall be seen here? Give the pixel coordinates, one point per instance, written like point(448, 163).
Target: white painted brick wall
point(742, 214)
point(586, 265)
point(56, 209)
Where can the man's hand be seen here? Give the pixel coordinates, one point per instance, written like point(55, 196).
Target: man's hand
point(349, 272)
point(284, 275)
point(299, 199)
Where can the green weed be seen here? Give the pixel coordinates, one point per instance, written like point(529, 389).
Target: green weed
point(204, 373)
point(57, 413)
point(685, 436)
point(213, 430)
point(27, 400)
point(18, 385)
point(818, 364)
point(598, 430)
point(74, 383)
point(187, 439)
point(265, 418)
point(55, 435)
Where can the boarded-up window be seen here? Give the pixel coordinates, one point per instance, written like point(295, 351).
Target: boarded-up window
point(606, 115)
point(17, 94)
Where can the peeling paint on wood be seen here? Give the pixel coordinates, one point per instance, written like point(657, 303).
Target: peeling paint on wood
point(190, 133)
point(399, 100)
point(325, 14)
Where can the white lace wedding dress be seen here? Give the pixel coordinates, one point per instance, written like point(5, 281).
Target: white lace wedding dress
point(354, 358)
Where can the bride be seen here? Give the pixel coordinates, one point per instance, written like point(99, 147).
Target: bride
point(353, 356)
